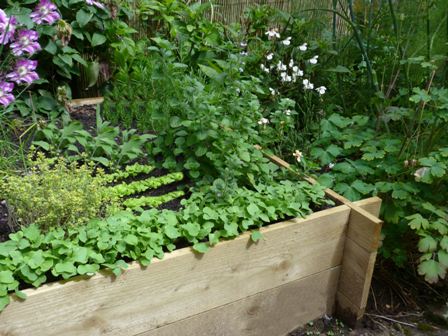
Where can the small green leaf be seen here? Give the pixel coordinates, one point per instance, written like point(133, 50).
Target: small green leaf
point(4, 301)
point(443, 258)
point(417, 222)
point(83, 17)
point(200, 247)
point(253, 209)
point(131, 239)
point(21, 295)
point(88, 269)
point(256, 236)
point(6, 277)
point(427, 244)
point(431, 270)
point(98, 39)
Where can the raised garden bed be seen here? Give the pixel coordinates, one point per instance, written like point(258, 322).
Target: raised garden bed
point(301, 270)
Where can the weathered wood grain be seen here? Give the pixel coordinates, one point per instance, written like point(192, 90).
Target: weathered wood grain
point(183, 284)
point(273, 312)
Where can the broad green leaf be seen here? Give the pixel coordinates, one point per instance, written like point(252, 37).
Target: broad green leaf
point(6, 277)
point(431, 270)
point(88, 269)
point(98, 39)
point(256, 236)
point(4, 301)
point(253, 209)
point(200, 247)
point(417, 222)
point(65, 267)
point(83, 17)
point(427, 244)
point(444, 243)
point(131, 239)
point(443, 258)
point(171, 231)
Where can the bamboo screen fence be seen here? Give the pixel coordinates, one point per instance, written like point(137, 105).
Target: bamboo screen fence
point(232, 10)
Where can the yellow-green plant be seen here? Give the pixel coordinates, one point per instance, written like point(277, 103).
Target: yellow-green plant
point(56, 193)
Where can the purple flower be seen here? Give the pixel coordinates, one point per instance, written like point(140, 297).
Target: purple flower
point(6, 97)
point(7, 27)
point(95, 3)
point(26, 41)
point(24, 72)
point(45, 11)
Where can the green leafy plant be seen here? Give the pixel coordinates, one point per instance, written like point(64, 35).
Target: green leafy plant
point(54, 194)
point(357, 162)
point(31, 255)
point(135, 187)
point(108, 147)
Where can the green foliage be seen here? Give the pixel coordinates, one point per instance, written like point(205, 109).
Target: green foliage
point(30, 255)
point(126, 189)
point(139, 203)
point(109, 147)
point(361, 162)
point(54, 194)
point(129, 171)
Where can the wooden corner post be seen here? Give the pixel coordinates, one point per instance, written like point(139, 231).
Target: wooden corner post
point(361, 245)
point(360, 250)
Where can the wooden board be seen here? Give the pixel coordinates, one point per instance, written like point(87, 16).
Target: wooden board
point(183, 284)
point(273, 312)
point(85, 101)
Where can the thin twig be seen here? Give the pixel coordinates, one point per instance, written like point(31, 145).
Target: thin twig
point(392, 320)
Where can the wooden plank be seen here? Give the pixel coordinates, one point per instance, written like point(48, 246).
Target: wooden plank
point(366, 227)
point(183, 284)
point(372, 205)
point(86, 101)
point(356, 273)
point(361, 244)
point(270, 313)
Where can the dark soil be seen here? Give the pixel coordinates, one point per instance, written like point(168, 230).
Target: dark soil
point(5, 228)
point(86, 115)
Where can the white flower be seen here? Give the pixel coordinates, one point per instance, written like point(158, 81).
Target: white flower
point(291, 63)
point(321, 90)
point(307, 85)
point(243, 44)
point(296, 71)
point(263, 121)
point(269, 56)
point(281, 66)
point(273, 92)
point(298, 155)
point(303, 47)
point(272, 33)
point(240, 69)
point(331, 165)
point(264, 68)
point(285, 77)
point(421, 172)
point(287, 42)
point(238, 90)
point(314, 59)
point(243, 53)
point(288, 112)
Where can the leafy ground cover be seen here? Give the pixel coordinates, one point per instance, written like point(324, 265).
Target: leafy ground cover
point(169, 158)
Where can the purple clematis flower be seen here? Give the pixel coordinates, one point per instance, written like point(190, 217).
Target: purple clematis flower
point(7, 27)
point(45, 11)
point(95, 3)
point(6, 97)
point(24, 72)
point(26, 41)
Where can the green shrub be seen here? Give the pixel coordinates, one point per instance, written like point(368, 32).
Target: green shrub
point(53, 194)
